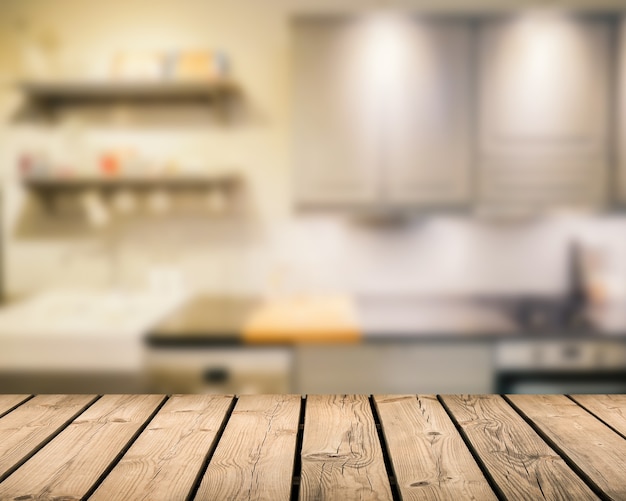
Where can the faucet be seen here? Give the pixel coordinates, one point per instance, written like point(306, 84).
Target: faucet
point(577, 300)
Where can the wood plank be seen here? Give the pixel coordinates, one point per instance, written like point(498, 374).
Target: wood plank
point(428, 456)
point(165, 460)
point(519, 462)
point(610, 408)
point(70, 465)
point(341, 454)
point(7, 402)
point(254, 458)
point(28, 427)
point(596, 450)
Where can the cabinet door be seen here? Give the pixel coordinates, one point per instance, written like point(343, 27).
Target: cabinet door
point(395, 367)
point(336, 109)
point(357, 368)
point(426, 117)
point(439, 367)
point(543, 112)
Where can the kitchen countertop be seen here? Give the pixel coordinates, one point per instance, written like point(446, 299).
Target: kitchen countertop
point(217, 320)
point(345, 447)
point(81, 329)
point(214, 320)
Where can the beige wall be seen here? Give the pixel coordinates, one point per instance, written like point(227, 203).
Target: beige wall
point(255, 38)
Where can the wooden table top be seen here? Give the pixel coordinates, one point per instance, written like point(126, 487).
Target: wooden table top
point(281, 447)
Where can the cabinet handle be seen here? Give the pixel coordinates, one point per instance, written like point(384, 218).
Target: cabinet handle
point(571, 352)
point(216, 375)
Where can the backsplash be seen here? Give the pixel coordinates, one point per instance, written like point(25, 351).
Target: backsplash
point(320, 254)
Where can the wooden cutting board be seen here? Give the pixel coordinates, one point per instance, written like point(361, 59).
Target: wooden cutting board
point(304, 319)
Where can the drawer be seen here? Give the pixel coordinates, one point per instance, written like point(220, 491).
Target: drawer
point(222, 370)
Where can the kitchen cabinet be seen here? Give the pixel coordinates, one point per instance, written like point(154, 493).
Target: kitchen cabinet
point(426, 129)
point(222, 369)
point(401, 367)
point(381, 111)
point(543, 112)
point(336, 150)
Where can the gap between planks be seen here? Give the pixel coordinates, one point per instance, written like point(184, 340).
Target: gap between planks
point(393, 484)
point(513, 455)
point(255, 455)
point(39, 435)
point(297, 465)
point(297, 460)
point(341, 453)
point(610, 421)
point(575, 468)
point(111, 422)
point(581, 462)
point(124, 449)
point(483, 467)
point(9, 403)
point(211, 451)
point(430, 459)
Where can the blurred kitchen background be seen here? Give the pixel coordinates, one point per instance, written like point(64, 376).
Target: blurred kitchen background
point(345, 196)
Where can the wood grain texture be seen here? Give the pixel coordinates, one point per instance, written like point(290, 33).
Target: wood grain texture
point(69, 465)
point(596, 449)
point(610, 408)
point(7, 402)
point(127, 447)
point(165, 460)
point(25, 429)
point(341, 454)
point(521, 464)
point(429, 458)
point(254, 458)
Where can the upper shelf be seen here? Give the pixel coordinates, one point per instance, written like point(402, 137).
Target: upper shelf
point(222, 180)
point(115, 90)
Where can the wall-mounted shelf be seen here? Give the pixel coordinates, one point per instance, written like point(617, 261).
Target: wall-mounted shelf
point(174, 182)
point(71, 91)
point(72, 206)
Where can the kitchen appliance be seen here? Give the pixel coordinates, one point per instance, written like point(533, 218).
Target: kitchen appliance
point(560, 365)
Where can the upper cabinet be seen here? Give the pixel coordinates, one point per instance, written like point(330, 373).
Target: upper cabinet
point(336, 124)
point(426, 129)
point(543, 113)
point(509, 114)
point(381, 112)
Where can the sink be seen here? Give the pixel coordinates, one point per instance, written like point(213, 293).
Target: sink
point(415, 316)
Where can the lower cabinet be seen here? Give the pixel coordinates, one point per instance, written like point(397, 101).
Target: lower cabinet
point(395, 367)
point(240, 370)
point(366, 368)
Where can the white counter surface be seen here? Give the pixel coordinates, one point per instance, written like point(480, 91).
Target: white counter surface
point(81, 329)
